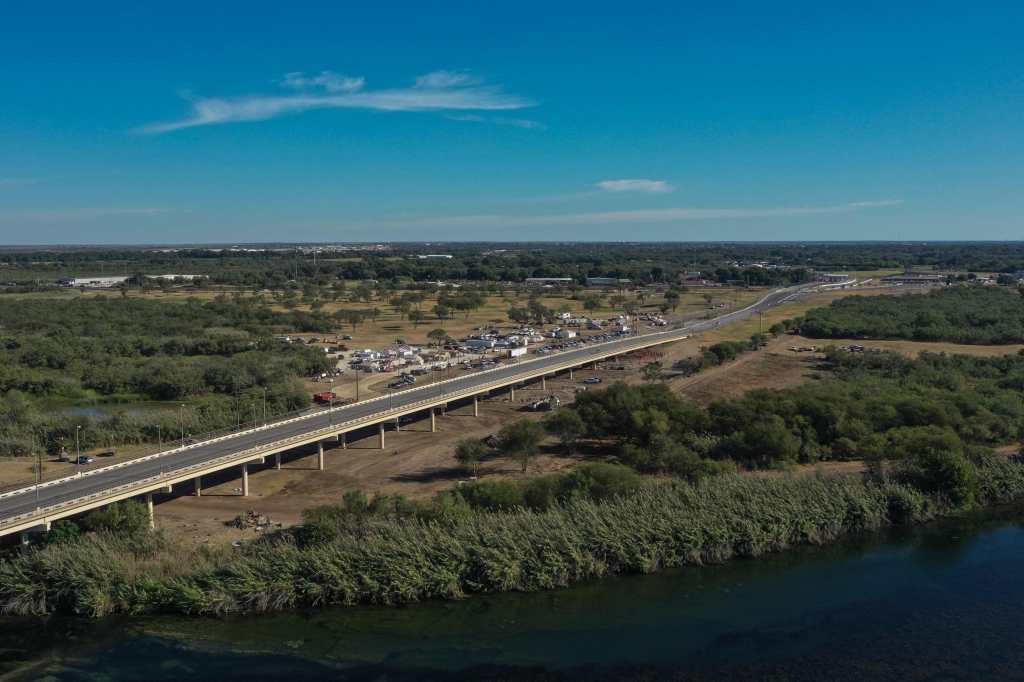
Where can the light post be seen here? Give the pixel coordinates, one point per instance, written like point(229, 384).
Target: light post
point(264, 405)
point(39, 474)
point(181, 422)
point(357, 384)
point(253, 406)
point(78, 451)
point(330, 410)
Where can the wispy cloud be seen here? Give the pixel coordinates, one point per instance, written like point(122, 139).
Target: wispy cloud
point(636, 216)
point(437, 91)
point(499, 120)
point(636, 185)
point(87, 213)
point(446, 79)
point(326, 80)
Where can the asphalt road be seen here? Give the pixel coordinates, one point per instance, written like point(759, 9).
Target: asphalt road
point(29, 499)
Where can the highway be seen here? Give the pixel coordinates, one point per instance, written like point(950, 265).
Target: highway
point(60, 498)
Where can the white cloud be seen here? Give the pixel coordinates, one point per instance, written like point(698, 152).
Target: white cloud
point(326, 80)
point(636, 185)
point(636, 216)
point(446, 79)
point(499, 120)
point(450, 92)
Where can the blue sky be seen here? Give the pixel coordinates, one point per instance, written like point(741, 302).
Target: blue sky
point(222, 122)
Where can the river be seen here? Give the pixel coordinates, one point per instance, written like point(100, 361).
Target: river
point(942, 602)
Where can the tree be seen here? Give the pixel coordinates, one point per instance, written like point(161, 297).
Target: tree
point(521, 441)
point(566, 425)
point(469, 452)
point(519, 315)
point(416, 316)
point(591, 302)
point(672, 298)
point(442, 312)
point(437, 336)
point(653, 371)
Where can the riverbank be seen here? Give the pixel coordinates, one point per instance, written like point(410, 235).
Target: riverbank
point(394, 560)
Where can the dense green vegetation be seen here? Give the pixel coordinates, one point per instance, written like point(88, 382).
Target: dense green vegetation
point(387, 558)
point(961, 314)
point(287, 267)
point(878, 407)
point(218, 355)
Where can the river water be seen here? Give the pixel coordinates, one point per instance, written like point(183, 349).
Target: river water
point(942, 602)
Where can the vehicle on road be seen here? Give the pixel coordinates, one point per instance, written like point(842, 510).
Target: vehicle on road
point(592, 380)
point(85, 459)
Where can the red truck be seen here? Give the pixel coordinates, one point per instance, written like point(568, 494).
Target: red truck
point(324, 397)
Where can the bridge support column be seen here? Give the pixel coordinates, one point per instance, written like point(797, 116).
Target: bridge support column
point(398, 425)
point(198, 481)
point(380, 435)
point(26, 541)
point(320, 455)
point(433, 420)
point(149, 510)
point(277, 461)
point(543, 383)
point(570, 374)
point(343, 437)
point(476, 406)
point(245, 480)
point(512, 394)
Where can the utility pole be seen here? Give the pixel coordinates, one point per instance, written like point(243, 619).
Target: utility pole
point(78, 451)
point(181, 421)
point(264, 405)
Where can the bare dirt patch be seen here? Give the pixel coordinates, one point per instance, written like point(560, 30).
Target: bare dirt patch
point(771, 367)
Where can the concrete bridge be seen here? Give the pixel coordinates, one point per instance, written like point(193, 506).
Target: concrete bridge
point(35, 507)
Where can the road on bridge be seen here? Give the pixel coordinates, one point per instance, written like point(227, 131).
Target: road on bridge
point(31, 498)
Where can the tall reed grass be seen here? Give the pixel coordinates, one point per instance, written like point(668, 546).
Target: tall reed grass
point(397, 561)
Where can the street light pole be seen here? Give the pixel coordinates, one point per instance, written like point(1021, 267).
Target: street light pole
point(264, 405)
point(181, 422)
point(78, 450)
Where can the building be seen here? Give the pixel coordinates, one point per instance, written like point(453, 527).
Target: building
point(833, 277)
point(606, 282)
point(424, 256)
point(549, 281)
point(914, 278)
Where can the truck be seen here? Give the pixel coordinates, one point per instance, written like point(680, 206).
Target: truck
point(324, 397)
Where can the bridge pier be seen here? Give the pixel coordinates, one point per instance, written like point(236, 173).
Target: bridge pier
point(543, 383)
point(320, 455)
point(433, 420)
point(476, 406)
point(380, 435)
point(398, 425)
point(512, 393)
point(277, 461)
point(245, 480)
point(149, 511)
point(343, 437)
point(198, 482)
point(570, 374)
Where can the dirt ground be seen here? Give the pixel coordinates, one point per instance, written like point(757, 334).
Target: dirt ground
point(771, 367)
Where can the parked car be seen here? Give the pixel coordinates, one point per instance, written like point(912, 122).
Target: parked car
point(592, 380)
point(85, 459)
